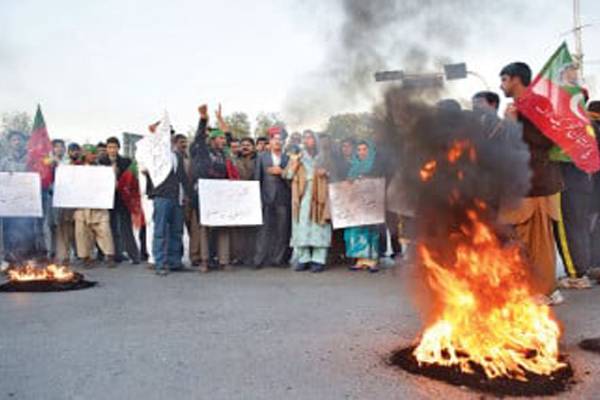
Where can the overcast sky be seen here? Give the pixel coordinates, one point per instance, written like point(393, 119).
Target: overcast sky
point(103, 67)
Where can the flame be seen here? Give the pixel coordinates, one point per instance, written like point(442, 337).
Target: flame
point(428, 170)
point(486, 312)
point(31, 273)
point(460, 147)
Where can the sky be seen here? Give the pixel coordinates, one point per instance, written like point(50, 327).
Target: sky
point(99, 68)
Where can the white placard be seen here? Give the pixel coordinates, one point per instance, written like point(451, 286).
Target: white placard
point(84, 186)
point(229, 203)
point(357, 203)
point(20, 194)
point(154, 153)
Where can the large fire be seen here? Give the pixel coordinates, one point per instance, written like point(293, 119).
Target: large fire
point(485, 311)
point(30, 273)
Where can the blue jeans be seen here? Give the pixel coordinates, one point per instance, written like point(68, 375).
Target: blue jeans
point(167, 246)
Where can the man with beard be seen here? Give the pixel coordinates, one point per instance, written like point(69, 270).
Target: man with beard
point(192, 224)
point(120, 216)
point(532, 220)
point(211, 162)
point(19, 234)
point(243, 238)
point(74, 153)
point(272, 243)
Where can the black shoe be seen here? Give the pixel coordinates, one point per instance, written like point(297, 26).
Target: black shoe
point(317, 267)
point(302, 267)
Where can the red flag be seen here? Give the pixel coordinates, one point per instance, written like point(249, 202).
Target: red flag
point(39, 149)
point(129, 189)
point(554, 103)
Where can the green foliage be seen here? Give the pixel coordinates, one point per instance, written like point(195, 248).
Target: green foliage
point(239, 123)
point(264, 121)
point(355, 125)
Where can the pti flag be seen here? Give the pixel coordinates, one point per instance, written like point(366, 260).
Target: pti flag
point(39, 149)
point(555, 104)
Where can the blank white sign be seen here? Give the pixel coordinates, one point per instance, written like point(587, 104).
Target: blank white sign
point(229, 203)
point(357, 203)
point(20, 194)
point(84, 186)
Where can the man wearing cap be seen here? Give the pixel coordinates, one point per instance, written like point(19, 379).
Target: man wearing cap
point(211, 162)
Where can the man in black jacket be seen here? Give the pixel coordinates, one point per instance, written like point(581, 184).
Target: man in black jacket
point(168, 198)
point(209, 161)
point(120, 217)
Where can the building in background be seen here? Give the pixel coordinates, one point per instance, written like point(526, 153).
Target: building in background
point(129, 141)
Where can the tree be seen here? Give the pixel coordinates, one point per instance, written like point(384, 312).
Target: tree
point(239, 123)
point(17, 121)
point(354, 125)
point(264, 121)
point(14, 121)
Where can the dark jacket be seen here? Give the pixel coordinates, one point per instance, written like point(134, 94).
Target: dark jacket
point(207, 163)
point(546, 177)
point(274, 190)
point(170, 187)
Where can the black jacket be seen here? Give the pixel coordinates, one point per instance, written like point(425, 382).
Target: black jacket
point(170, 187)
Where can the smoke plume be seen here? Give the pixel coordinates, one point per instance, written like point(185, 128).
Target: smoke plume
point(411, 35)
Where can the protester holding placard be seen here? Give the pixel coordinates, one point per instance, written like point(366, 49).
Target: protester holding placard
point(169, 193)
point(311, 231)
point(19, 234)
point(92, 225)
point(210, 161)
point(64, 230)
point(362, 242)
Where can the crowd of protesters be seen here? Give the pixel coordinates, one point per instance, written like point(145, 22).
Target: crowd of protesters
point(560, 214)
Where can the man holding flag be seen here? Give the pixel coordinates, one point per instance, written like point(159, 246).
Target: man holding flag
point(551, 116)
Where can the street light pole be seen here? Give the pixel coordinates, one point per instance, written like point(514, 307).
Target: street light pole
point(577, 32)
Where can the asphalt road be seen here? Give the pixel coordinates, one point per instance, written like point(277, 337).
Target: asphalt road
point(268, 334)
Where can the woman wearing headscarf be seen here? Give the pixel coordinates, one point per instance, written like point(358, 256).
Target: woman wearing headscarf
point(362, 242)
point(311, 231)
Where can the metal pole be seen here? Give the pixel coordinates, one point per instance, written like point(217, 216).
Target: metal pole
point(577, 30)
